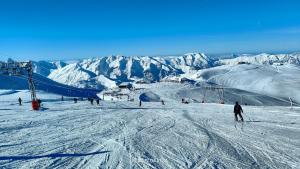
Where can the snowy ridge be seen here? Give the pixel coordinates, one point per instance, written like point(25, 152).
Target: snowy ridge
point(263, 58)
point(116, 69)
point(111, 70)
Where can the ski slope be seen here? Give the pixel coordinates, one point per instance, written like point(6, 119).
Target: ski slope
point(275, 81)
point(44, 84)
point(121, 134)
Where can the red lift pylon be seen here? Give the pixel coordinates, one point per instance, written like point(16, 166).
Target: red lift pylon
point(12, 68)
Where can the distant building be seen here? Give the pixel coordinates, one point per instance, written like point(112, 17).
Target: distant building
point(242, 62)
point(125, 85)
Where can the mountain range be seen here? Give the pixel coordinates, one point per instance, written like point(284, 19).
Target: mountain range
point(109, 71)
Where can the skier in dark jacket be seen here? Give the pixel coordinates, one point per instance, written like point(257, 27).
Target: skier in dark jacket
point(237, 111)
point(20, 101)
point(92, 101)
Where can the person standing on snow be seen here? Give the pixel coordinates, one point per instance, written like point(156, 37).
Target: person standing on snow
point(237, 111)
point(92, 101)
point(20, 101)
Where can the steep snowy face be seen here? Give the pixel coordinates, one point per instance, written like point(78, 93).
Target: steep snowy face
point(72, 74)
point(76, 75)
point(263, 58)
point(45, 68)
point(110, 70)
point(190, 62)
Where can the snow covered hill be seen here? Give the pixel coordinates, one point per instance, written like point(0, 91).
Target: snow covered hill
point(277, 81)
point(45, 84)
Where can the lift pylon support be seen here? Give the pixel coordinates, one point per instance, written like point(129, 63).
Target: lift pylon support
point(12, 68)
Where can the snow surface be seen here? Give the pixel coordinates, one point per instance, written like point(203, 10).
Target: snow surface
point(120, 134)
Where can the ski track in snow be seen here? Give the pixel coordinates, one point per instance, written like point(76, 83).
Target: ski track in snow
point(123, 135)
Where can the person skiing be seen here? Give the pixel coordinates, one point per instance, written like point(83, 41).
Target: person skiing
point(75, 100)
point(20, 101)
point(92, 101)
point(40, 102)
point(162, 102)
point(237, 111)
point(140, 103)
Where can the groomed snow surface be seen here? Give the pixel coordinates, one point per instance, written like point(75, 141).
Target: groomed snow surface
point(64, 134)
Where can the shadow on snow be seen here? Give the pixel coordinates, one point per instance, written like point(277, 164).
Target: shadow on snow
point(55, 155)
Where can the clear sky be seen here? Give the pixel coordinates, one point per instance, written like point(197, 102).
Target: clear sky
point(71, 29)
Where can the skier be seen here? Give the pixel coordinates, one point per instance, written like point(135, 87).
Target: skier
point(182, 100)
point(75, 100)
point(237, 111)
point(20, 101)
point(140, 103)
point(162, 102)
point(40, 102)
point(92, 101)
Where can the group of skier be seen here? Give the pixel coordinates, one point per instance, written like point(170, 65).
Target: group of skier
point(237, 110)
point(92, 101)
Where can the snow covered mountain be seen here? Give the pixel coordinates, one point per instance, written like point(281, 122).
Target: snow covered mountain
point(112, 70)
point(108, 71)
point(45, 68)
point(263, 58)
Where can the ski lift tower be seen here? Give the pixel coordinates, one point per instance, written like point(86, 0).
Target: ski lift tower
point(220, 91)
point(12, 68)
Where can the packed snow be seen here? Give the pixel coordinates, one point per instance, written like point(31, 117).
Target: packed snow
point(120, 134)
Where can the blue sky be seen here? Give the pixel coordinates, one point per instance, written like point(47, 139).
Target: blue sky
point(71, 29)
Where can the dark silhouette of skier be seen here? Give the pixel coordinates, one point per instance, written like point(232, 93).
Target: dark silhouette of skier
point(140, 103)
point(75, 100)
point(237, 111)
point(40, 102)
point(162, 102)
point(92, 101)
point(20, 101)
